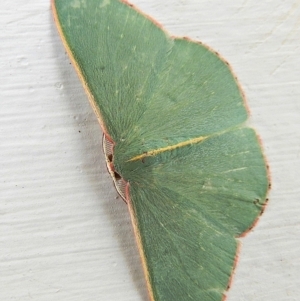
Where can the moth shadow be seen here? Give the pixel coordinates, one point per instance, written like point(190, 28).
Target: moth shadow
point(97, 174)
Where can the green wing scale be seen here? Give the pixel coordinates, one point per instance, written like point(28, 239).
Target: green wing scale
point(175, 116)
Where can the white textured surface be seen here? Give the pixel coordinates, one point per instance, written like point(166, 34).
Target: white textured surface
point(64, 233)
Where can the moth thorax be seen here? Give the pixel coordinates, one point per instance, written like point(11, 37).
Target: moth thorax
point(120, 183)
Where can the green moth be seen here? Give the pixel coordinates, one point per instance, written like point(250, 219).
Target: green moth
point(173, 115)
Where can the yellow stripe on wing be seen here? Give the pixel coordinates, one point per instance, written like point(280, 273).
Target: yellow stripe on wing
point(168, 148)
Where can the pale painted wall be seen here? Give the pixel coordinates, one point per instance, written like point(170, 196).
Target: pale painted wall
point(64, 232)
